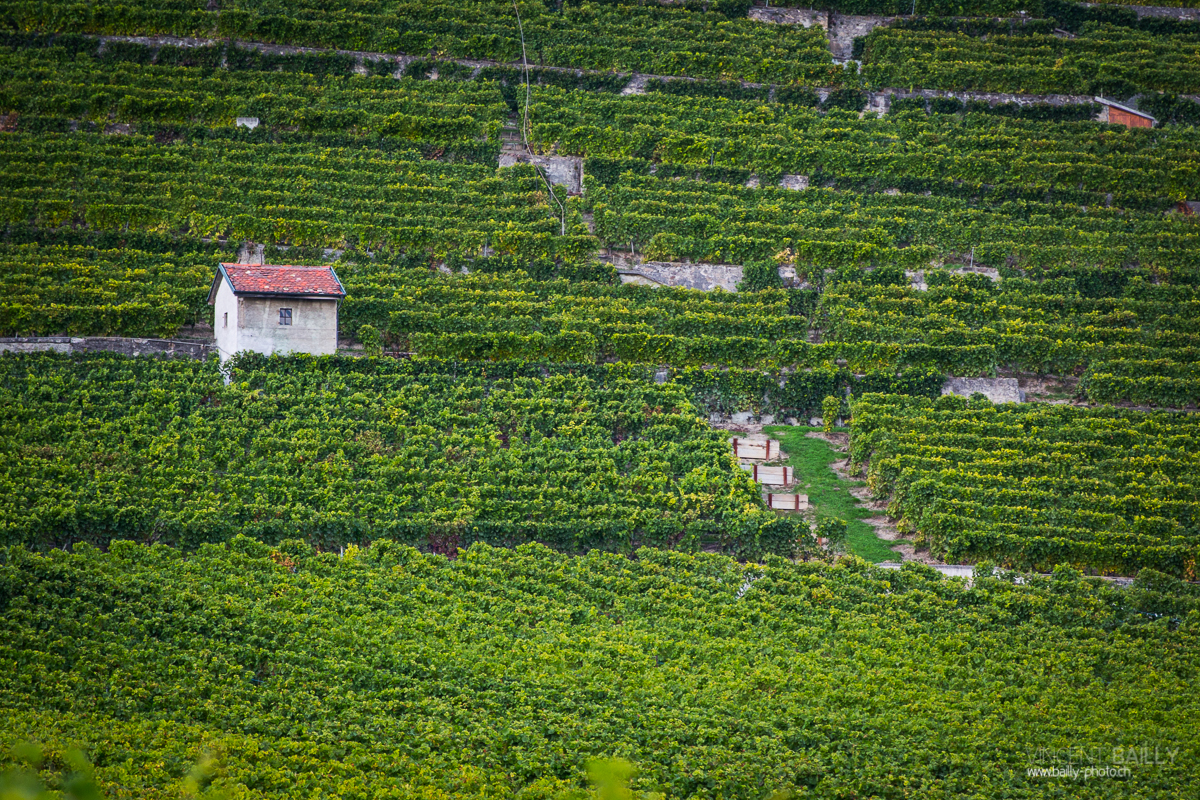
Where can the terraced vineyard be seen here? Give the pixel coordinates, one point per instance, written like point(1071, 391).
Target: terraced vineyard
point(105, 287)
point(52, 82)
point(1132, 339)
point(309, 195)
point(501, 673)
point(499, 544)
point(828, 229)
point(104, 448)
point(983, 155)
point(703, 38)
point(1100, 60)
point(1036, 485)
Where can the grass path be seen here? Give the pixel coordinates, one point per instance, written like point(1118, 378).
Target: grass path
point(827, 493)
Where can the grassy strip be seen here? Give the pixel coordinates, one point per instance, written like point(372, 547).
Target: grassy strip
point(827, 493)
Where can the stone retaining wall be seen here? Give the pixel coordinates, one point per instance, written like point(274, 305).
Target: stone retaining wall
point(173, 348)
point(561, 170)
point(1186, 14)
point(998, 390)
point(917, 277)
point(845, 28)
point(791, 16)
point(705, 277)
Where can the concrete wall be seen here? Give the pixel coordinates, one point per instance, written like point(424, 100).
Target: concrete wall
point(105, 344)
point(313, 329)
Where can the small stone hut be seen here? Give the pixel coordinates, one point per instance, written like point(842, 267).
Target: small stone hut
point(267, 308)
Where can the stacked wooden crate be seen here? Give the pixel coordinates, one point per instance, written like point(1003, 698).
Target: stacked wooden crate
point(751, 451)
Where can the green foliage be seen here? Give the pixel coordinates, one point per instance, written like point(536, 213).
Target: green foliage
point(372, 340)
point(795, 393)
point(729, 89)
point(1145, 381)
point(902, 104)
point(390, 673)
point(342, 450)
point(829, 230)
point(1137, 340)
point(700, 38)
point(23, 782)
point(1171, 109)
point(831, 408)
point(1104, 59)
point(1073, 112)
point(848, 99)
point(938, 7)
point(945, 105)
point(1035, 486)
point(84, 290)
point(833, 531)
point(510, 316)
point(311, 196)
point(759, 275)
point(797, 96)
point(307, 94)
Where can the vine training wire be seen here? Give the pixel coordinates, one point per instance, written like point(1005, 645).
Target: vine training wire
point(525, 123)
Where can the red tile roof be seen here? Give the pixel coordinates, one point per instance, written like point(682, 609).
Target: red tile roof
point(283, 279)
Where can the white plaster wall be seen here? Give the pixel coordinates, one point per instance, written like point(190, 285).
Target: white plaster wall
point(313, 329)
point(225, 334)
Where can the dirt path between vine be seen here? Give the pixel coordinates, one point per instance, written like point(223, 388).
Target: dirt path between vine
point(885, 526)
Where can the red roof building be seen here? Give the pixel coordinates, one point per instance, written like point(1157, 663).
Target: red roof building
point(1118, 114)
point(278, 279)
point(270, 308)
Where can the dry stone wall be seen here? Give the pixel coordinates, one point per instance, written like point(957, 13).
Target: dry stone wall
point(791, 16)
point(705, 277)
point(845, 28)
point(1186, 14)
point(917, 277)
point(998, 390)
point(562, 170)
point(106, 344)
point(991, 98)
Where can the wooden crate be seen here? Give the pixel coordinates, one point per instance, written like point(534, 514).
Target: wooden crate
point(787, 502)
point(755, 449)
point(770, 476)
